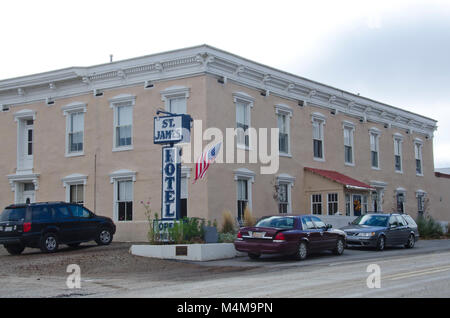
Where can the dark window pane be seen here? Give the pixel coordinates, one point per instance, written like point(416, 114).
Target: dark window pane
point(129, 211)
point(183, 209)
point(348, 154)
point(375, 159)
point(317, 148)
point(398, 164)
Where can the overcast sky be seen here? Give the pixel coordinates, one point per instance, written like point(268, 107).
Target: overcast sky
point(397, 52)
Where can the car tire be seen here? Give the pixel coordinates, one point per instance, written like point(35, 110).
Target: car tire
point(15, 249)
point(302, 251)
point(49, 243)
point(104, 237)
point(254, 256)
point(381, 243)
point(340, 247)
point(74, 245)
point(411, 241)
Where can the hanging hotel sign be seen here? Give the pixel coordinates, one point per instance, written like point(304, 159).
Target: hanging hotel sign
point(171, 129)
point(171, 183)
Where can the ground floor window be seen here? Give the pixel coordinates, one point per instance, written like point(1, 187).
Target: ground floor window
point(283, 198)
point(420, 203)
point(242, 198)
point(332, 203)
point(76, 194)
point(400, 202)
point(316, 200)
point(348, 209)
point(183, 197)
point(125, 200)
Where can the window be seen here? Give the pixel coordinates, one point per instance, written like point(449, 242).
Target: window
point(307, 223)
point(418, 155)
point(400, 202)
point(62, 212)
point(77, 193)
point(283, 200)
point(348, 144)
point(175, 99)
point(316, 203)
point(365, 204)
point(348, 208)
point(318, 222)
point(420, 202)
point(79, 212)
point(125, 200)
point(183, 196)
point(242, 124)
point(332, 203)
point(29, 151)
point(123, 125)
point(374, 152)
point(318, 138)
point(242, 198)
point(75, 133)
point(398, 154)
point(357, 204)
point(283, 133)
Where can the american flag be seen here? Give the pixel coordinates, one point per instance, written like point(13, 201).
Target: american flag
point(205, 160)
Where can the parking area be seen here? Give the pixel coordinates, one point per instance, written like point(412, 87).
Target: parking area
point(111, 271)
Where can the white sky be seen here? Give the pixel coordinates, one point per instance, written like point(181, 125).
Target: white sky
point(397, 52)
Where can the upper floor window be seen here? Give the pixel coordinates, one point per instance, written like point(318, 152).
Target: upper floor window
point(374, 149)
point(284, 113)
point(74, 113)
point(243, 104)
point(398, 153)
point(318, 122)
point(418, 155)
point(123, 122)
point(175, 99)
point(348, 144)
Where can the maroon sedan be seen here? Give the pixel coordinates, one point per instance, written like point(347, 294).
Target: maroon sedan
point(289, 235)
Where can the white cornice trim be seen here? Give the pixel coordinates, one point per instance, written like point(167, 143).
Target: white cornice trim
point(283, 109)
point(122, 174)
point(243, 97)
point(174, 91)
point(122, 98)
point(25, 114)
point(244, 173)
point(75, 178)
point(74, 107)
point(200, 60)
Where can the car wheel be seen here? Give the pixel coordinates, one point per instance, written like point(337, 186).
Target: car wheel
point(49, 243)
point(302, 251)
point(340, 246)
point(253, 256)
point(15, 249)
point(104, 237)
point(381, 244)
point(411, 242)
point(74, 245)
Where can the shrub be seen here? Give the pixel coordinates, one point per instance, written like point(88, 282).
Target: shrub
point(227, 237)
point(228, 223)
point(428, 227)
point(249, 220)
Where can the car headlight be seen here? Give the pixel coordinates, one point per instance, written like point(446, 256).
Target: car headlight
point(368, 234)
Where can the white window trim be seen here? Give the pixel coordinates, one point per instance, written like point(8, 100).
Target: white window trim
point(174, 92)
point(351, 126)
point(377, 133)
point(245, 174)
point(328, 203)
point(321, 119)
point(115, 177)
point(240, 97)
point(74, 179)
point(418, 143)
point(289, 181)
point(75, 107)
point(113, 103)
point(399, 138)
point(321, 203)
point(282, 109)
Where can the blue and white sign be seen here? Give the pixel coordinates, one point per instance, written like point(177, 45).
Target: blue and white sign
point(171, 183)
point(171, 129)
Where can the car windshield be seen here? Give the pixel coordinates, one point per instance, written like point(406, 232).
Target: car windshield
point(371, 220)
point(15, 214)
point(278, 222)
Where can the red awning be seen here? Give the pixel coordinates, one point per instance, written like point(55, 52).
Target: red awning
point(348, 182)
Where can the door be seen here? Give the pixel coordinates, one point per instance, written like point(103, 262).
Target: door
point(393, 233)
point(328, 238)
point(66, 223)
point(27, 145)
point(312, 233)
point(404, 230)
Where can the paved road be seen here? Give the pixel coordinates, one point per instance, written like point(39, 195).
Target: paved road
point(112, 272)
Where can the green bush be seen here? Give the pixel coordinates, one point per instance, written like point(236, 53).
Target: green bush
point(428, 227)
point(227, 237)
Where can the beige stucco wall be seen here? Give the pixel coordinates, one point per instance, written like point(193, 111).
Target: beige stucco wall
point(440, 199)
point(213, 103)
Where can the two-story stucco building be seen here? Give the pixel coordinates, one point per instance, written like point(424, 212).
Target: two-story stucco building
point(84, 134)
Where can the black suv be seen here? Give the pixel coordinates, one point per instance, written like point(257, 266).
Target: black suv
point(46, 225)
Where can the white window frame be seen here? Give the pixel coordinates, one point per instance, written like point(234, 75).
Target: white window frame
point(285, 110)
point(398, 141)
point(321, 203)
point(320, 120)
point(174, 92)
point(328, 202)
point(421, 195)
point(244, 174)
point(397, 192)
point(115, 177)
point(69, 110)
point(287, 180)
point(114, 103)
point(349, 126)
point(247, 101)
point(376, 135)
point(75, 179)
point(418, 144)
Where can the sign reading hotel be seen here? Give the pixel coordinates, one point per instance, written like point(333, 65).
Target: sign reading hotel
point(171, 176)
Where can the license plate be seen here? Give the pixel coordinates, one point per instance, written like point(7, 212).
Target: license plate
point(259, 234)
point(7, 228)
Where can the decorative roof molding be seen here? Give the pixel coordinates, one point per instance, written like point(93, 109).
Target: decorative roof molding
point(200, 60)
